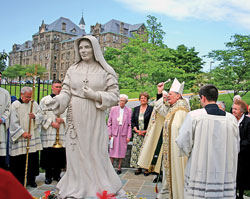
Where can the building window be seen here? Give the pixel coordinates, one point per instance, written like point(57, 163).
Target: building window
point(47, 56)
point(35, 40)
point(68, 56)
point(73, 30)
point(47, 37)
point(125, 31)
point(104, 38)
point(55, 46)
point(125, 40)
point(47, 46)
point(54, 67)
point(64, 27)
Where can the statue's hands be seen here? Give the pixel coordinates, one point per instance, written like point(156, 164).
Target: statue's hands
point(51, 104)
point(89, 93)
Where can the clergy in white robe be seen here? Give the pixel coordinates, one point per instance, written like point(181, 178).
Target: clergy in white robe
point(151, 152)
point(89, 88)
point(174, 111)
point(53, 155)
point(19, 125)
point(4, 123)
point(209, 137)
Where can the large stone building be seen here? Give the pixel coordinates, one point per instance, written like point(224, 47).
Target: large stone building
point(53, 45)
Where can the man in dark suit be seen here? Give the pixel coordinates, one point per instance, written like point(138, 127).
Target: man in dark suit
point(243, 173)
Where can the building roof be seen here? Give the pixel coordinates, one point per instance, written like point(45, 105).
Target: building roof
point(25, 46)
point(71, 28)
point(82, 22)
point(114, 26)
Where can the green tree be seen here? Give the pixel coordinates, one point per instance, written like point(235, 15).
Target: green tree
point(155, 32)
point(141, 65)
point(21, 71)
point(188, 60)
point(3, 60)
point(14, 71)
point(233, 71)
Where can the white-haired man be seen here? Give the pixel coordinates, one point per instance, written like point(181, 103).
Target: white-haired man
point(119, 128)
point(4, 122)
point(173, 112)
point(19, 126)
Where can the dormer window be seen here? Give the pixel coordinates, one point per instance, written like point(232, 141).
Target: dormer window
point(73, 30)
point(64, 27)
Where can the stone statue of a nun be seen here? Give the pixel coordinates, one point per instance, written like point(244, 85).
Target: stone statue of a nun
point(89, 88)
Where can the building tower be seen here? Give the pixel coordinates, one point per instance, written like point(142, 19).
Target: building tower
point(82, 23)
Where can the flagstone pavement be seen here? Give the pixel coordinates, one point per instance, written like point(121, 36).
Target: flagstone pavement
point(141, 186)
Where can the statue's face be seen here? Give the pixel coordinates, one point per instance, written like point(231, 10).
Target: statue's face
point(86, 51)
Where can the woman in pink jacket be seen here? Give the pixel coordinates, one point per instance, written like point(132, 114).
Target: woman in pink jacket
point(119, 127)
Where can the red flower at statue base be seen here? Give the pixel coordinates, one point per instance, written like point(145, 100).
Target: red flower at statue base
point(47, 194)
point(106, 195)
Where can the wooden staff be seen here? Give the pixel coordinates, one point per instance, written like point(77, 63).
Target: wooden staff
point(30, 120)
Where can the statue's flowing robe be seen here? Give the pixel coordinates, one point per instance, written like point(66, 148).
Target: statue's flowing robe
point(211, 143)
point(89, 169)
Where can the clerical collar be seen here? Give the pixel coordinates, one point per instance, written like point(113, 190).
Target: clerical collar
point(213, 109)
point(20, 100)
point(52, 95)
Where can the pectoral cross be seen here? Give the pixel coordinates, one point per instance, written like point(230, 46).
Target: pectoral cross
point(85, 82)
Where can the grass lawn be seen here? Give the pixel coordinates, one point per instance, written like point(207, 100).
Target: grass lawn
point(226, 98)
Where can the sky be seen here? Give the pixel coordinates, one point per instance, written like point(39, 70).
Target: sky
point(205, 25)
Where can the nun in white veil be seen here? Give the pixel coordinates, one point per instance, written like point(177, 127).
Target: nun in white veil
point(89, 88)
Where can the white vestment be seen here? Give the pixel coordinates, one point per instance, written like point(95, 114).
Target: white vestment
point(4, 114)
point(19, 123)
point(48, 133)
point(89, 169)
point(211, 143)
point(174, 166)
